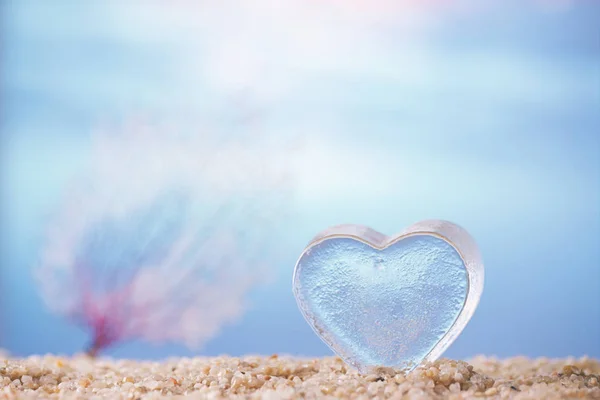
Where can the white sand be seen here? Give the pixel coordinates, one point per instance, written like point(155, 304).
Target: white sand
point(286, 378)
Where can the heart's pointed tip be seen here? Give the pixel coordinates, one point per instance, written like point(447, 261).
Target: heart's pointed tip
point(383, 371)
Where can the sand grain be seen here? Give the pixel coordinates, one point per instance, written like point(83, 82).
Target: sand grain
point(287, 378)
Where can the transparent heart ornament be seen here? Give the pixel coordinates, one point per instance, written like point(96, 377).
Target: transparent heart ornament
point(396, 301)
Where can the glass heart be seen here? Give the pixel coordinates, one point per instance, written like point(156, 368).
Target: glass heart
point(397, 301)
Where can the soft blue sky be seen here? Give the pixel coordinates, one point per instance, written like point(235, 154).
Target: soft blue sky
point(487, 116)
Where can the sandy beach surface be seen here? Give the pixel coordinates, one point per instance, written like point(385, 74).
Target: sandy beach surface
point(281, 377)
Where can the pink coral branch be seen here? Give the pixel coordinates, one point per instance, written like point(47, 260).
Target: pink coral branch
point(101, 266)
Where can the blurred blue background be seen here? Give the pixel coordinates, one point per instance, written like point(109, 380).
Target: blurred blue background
point(485, 114)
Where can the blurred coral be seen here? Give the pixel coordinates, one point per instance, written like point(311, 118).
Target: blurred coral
point(163, 237)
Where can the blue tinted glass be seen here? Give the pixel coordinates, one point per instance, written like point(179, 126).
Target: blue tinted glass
point(383, 307)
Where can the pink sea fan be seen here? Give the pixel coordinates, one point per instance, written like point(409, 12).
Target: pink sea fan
point(165, 252)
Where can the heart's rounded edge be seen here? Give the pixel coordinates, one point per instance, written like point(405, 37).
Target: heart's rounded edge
point(466, 247)
point(453, 234)
point(364, 233)
point(346, 230)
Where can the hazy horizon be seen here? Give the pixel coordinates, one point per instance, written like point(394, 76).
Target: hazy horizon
point(487, 116)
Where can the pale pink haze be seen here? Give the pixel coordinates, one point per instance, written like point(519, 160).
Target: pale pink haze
point(213, 259)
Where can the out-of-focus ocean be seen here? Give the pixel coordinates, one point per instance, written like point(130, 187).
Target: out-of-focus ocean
point(487, 115)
